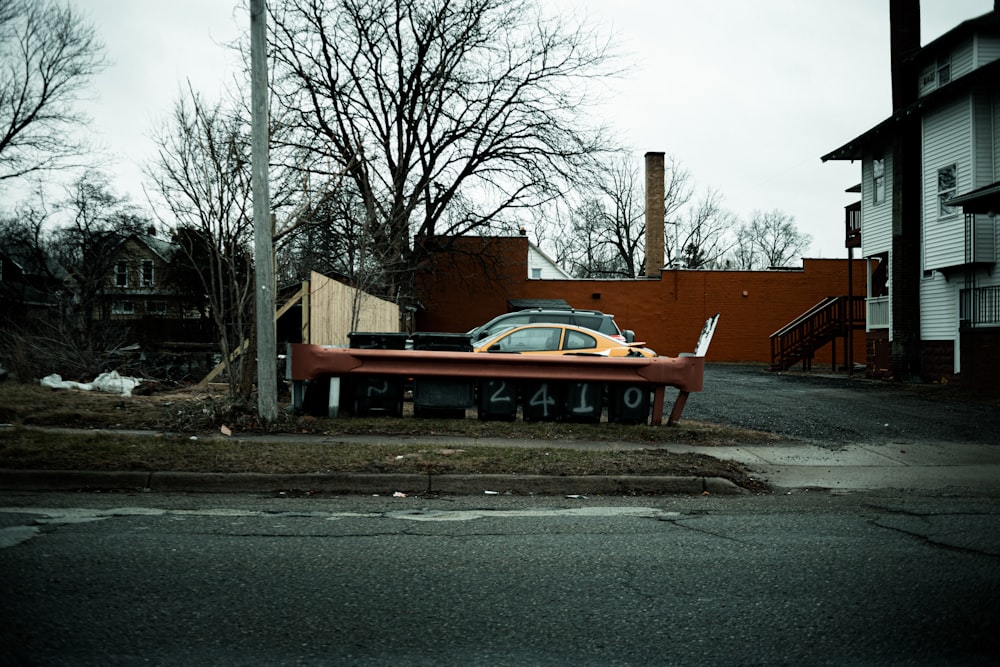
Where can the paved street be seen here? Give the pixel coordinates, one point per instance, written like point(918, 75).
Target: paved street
point(804, 579)
point(894, 565)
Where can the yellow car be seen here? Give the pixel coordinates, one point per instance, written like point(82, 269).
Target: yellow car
point(560, 339)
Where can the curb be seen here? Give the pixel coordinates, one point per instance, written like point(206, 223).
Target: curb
point(367, 484)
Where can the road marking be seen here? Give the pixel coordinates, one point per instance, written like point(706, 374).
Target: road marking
point(469, 515)
point(40, 516)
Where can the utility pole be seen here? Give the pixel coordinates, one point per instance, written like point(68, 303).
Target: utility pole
point(267, 357)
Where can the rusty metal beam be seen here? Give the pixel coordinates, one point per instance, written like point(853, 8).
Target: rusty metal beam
point(686, 373)
point(314, 361)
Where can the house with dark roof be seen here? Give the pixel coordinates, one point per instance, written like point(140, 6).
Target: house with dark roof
point(137, 285)
point(930, 178)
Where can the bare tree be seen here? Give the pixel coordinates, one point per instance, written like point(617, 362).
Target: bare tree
point(612, 224)
point(677, 194)
point(202, 174)
point(448, 117)
point(705, 233)
point(48, 55)
point(607, 234)
point(770, 239)
point(594, 246)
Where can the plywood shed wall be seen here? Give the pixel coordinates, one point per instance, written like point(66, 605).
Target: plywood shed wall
point(332, 306)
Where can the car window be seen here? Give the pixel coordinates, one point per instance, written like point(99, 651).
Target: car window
point(588, 321)
point(577, 340)
point(531, 340)
point(550, 318)
point(505, 323)
point(596, 322)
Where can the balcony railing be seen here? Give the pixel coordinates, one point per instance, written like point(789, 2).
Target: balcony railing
point(878, 312)
point(980, 306)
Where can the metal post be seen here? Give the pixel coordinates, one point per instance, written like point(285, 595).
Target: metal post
point(850, 312)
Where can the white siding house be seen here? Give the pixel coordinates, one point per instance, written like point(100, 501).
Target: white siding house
point(542, 267)
point(951, 255)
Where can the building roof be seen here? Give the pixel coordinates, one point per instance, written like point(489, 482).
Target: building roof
point(882, 134)
point(989, 22)
point(162, 248)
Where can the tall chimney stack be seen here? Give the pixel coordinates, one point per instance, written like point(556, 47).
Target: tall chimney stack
point(654, 214)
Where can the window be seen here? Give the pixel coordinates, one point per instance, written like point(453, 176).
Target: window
point(156, 307)
point(506, 323)
point(577, 340)
point(531, 340)
point(123, 308)
point(878, 180)
point(146, 267)
point(536, 273)
point(947, 188)
point(927, 80)
point(121, 273)
point(943, 71)
point(935, 75)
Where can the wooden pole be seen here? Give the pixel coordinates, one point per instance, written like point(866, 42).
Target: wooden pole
point(267, 371)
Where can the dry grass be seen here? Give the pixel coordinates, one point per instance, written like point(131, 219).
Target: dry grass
point(176, 416)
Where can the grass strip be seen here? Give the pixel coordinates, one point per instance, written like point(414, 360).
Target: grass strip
point(24, 448)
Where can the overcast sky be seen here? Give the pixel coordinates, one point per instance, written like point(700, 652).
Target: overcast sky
point(747, 95)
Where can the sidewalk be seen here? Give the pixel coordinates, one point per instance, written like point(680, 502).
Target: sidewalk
point(865, 467)
point(802, 465)
point(785, 467)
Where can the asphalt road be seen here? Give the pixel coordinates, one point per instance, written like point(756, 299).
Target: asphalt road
point(808, 579)
point(835, 411)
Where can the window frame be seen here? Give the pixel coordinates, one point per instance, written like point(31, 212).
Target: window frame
point(942, 70)
point(574, 338)
point(156, 307)
point(143, 280)
point(124, 307)
point(120, 273)
point(534, 339)
point(878, 180)
point(946, 193)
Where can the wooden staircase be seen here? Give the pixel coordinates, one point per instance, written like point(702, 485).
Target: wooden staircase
point(799, 340)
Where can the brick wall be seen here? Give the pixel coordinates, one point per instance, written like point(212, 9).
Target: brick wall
point(937, 360)
point(981, 359)
point(462, 291)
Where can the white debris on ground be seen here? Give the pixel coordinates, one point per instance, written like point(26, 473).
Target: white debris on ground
point(111, 383)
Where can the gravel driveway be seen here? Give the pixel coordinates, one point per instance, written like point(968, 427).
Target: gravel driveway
point(834, 411)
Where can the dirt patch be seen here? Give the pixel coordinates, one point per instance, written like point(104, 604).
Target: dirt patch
point(199, 430)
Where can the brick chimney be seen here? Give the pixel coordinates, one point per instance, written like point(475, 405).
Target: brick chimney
point(654, 214)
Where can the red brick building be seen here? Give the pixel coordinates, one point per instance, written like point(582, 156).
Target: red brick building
point(477, 279)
